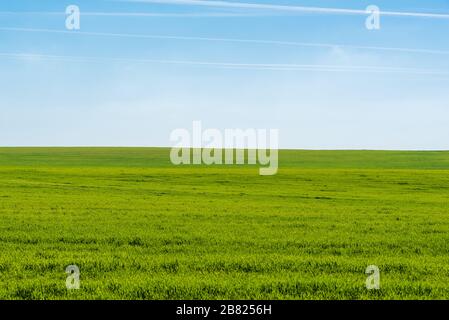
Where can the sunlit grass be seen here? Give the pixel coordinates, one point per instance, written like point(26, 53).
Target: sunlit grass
point(140, 228)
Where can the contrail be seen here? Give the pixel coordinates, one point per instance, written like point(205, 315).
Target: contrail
point(235, 5)
point(286, 8)
point(232, 40)
point(232, 65)
point(138, 14)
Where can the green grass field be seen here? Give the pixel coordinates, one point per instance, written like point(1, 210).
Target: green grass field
point(141, 228)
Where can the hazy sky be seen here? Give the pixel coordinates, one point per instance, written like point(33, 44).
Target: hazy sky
point(319, 76)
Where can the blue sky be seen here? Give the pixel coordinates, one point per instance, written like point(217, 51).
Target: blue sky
point(129, 80)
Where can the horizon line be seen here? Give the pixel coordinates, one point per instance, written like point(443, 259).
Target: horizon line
point(170, 147)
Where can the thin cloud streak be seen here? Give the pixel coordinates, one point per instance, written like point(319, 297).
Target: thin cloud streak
point(285, 8)
point(280, 9)
point(267, 42)
point(252, 66)
point(138, 14)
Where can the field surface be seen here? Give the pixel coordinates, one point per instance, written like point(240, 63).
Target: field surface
point(140, 228)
